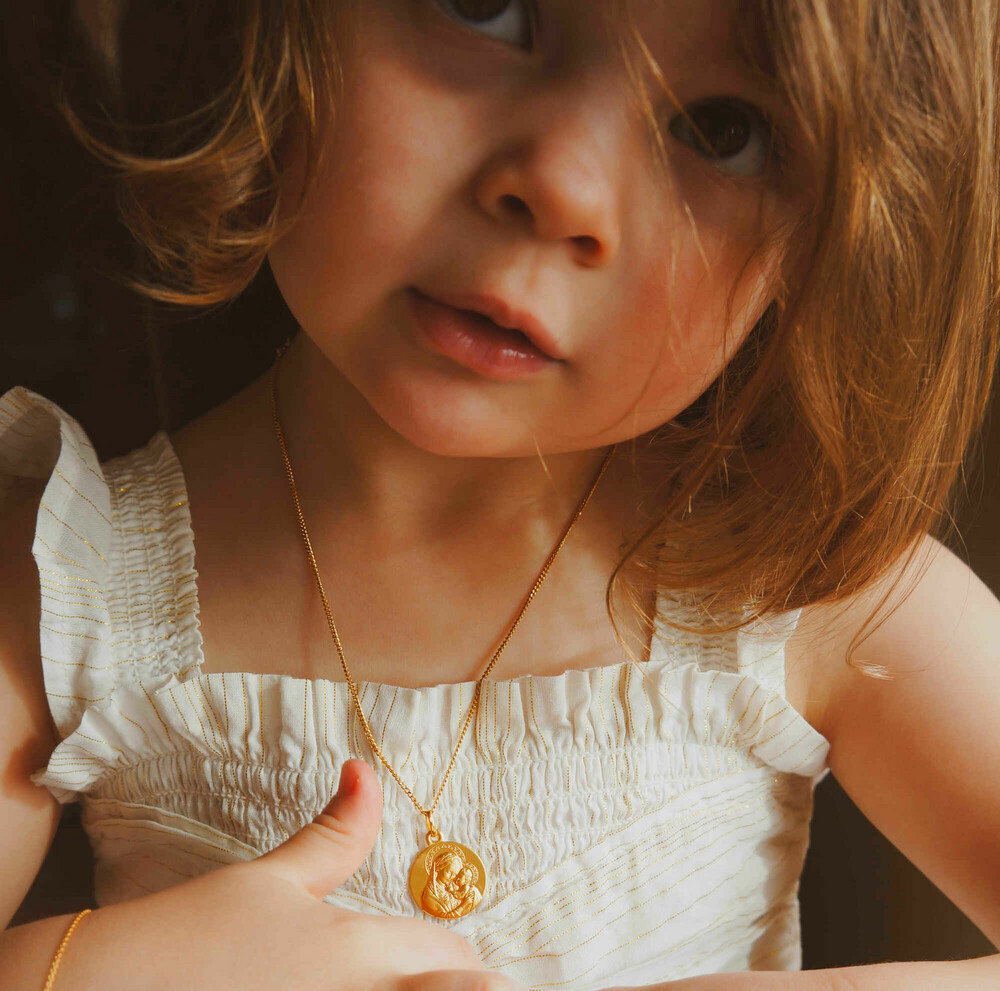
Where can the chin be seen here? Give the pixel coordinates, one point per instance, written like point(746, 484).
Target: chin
point(452, 424)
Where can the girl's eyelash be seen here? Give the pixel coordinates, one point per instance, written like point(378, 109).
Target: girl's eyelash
point(747, 145)
point(503, 16)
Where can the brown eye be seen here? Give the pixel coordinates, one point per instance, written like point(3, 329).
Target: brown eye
point(509, 21)
point(736, 136)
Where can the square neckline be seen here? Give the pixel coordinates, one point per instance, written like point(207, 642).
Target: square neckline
point(658, 655)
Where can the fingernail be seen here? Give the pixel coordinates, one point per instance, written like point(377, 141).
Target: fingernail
point(348, 783)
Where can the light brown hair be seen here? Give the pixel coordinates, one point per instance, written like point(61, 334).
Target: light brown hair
point(836, 436)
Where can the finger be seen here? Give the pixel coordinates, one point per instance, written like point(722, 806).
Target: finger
point(328, 850)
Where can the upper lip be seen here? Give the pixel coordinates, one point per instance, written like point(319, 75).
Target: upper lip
point(503, 314)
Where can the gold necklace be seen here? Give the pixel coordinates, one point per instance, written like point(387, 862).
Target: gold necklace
point(447, 879)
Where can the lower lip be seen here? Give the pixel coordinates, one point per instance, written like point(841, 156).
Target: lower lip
point(475, 341)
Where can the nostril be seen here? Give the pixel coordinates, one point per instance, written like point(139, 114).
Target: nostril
point(588, 244)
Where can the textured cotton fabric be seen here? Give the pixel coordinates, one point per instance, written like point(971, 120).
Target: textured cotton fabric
point(639, 823)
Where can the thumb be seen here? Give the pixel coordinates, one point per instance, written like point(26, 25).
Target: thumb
point(327, 851)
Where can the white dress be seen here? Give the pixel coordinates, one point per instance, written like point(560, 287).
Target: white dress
point(639, 823)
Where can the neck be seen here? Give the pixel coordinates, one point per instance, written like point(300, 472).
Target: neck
point(349, 464)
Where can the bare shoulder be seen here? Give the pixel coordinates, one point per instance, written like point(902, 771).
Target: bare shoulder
point(921, 739)
point(29, 815)
point(930, 613)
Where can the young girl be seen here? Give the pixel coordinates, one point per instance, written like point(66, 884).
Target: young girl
point(583, 526)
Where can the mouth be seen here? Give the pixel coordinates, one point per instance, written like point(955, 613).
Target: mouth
point(483, 333)
point(504, 315)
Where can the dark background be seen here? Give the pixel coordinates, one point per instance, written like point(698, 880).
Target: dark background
point(126, 368)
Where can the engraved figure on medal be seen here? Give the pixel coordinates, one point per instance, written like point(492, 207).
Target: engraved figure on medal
point(447, 880)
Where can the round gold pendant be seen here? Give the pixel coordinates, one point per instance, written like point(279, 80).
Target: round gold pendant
point(447, 880)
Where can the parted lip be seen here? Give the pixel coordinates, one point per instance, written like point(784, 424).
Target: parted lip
point(503, 314)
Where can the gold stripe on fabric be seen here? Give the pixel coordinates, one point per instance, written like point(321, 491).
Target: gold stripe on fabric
point(413, 731)
point(158, 616)
point(139, 726)
point(213, 718)
point(84, 460)
point(48, 597)
point(708, 707)
point(78, 664)
point(371, 714)
point(326, 740)
point(305, 719)
point(619, 739)
point(69, 578)
point(727, 741)
point(600, 709)
point(118, 643)
point(486, 732)
point(729, 707)
point(749, 729)
point(75, 698)
point(93, 758)
point(399, 848)
point(152, 705)
point(700, 813)
point(174, 815)
point(53, 551)
point(194, 709)
point(63, 633)
point(818, 746)
point(655, 850)
point(263, 736)
point(791, 746)
point(72, 531)
point(137, 827)
point(779, 712)
point(504, 748)
point(81, 495)
point(88, 619)
point(385, 725)
point(531, 700)
point(246, 719)
point(105, 742)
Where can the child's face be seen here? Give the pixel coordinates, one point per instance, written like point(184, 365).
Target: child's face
point(495, 147)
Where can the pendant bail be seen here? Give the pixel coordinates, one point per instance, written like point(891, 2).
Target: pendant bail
point(433, 836)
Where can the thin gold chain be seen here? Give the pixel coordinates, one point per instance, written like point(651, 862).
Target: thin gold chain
point(333, 627)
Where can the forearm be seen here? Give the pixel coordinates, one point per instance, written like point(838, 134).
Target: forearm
point(979, 974)
point(26, 951)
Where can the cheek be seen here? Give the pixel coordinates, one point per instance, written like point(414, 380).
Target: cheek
point(361, 226)
point(685, 329)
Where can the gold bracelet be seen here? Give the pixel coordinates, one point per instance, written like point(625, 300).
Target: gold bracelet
point(62, 946)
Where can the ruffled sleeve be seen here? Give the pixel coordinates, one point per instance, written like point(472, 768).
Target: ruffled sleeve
point(72, 546)
point(734, 683)
point(115, 557)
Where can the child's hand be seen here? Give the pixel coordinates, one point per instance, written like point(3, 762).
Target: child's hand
point(263, 925)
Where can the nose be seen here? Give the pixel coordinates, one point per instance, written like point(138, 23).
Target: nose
point(558, 174)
